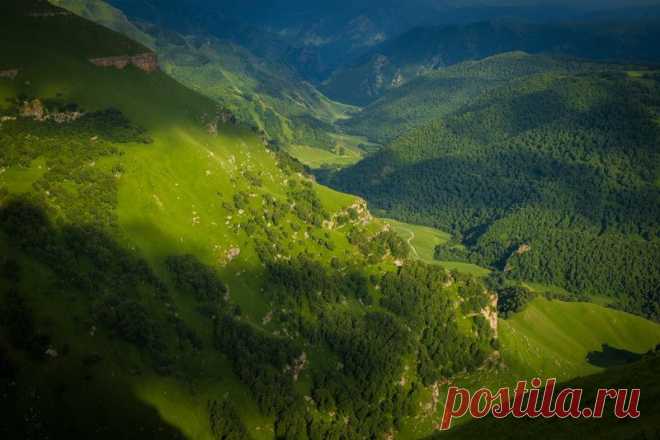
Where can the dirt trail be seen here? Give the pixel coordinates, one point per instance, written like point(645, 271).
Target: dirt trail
point(410, 239)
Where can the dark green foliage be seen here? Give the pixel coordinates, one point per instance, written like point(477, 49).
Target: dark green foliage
point(225, 422)
point(378, 246)
point(417, 294)
point(512, 300)
point(259, 360)
point(474, 297)
point(192, 276)
point(308, 207)
point(302, 280)
point(130, 320)
point(551, 178)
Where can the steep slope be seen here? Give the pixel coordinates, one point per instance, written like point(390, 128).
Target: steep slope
point(261, 93)
point(423, 49)
point(552, 178)
point(163, 274)
point(641, 374)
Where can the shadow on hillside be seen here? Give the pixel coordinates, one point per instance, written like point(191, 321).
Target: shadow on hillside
point(44, 399)
point(611, 357)
point(58, 380)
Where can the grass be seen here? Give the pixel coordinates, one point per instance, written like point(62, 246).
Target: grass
point(550, 339)
point(317, 158)
point(185, 173)
point(424, 239)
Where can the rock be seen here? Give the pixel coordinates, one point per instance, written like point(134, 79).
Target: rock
point(147, 62)
point(233, 253)
point(9, 73)
point(523, 249)
point(33, 109)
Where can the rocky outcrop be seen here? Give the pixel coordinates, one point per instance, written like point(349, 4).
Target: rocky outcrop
point(147, 62)
point(490, 313)
point(9, 73)
point(357, 213)
point(35, 110)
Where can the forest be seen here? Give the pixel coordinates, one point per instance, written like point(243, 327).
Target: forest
point(552, 179)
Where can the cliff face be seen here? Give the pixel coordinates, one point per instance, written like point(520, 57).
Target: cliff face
point(145, 61)
point(10, 73)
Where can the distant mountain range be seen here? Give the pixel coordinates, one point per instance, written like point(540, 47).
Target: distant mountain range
point(422, 49)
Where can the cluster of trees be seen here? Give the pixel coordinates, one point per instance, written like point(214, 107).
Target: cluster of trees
point(512, 300)
point(302, 280)
point(225, 422)
point(308, 207)
point(192, 276)
point(417, 293)
point(377, 246)
point(565, 164)
point(259, 360)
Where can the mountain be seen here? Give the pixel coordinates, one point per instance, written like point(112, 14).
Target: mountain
point(168, 272)
point(441, 92)
point(164, 274)
point(265, 94)
point(423, 49)
point(551, 177)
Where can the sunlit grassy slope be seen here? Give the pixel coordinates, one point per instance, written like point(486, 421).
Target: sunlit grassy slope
point(548, 339)
point(262, 93)
point(170, 196)
point(424, 239)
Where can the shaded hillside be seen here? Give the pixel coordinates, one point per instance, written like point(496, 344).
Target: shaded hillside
point(164, 274)
point(441, 92)
point(420, 50)
point(565, 165)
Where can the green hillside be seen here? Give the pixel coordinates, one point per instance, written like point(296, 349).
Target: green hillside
point(548, 338)
point(557, 339)
point(441, 92)
point(551, 178)
point(164, 273)
point(642, 374)
point(259, 92)
point(424, 49)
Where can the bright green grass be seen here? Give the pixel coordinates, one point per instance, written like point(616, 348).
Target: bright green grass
point(317, 158)
point(422, 239)
point(550, 339)
point(20, 180)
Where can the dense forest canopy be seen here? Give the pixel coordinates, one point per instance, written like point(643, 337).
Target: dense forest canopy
point(551, 177)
